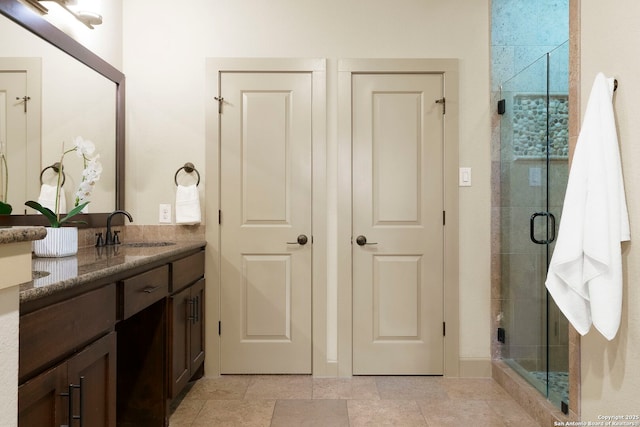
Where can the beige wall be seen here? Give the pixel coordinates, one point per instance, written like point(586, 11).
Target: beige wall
point(165, 47)
point(610, 38)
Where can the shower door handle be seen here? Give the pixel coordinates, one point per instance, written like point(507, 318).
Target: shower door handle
point(552, 237)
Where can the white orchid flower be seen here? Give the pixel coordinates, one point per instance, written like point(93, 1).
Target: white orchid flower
point(84, 191)
point(84, 147)
point(93, 170)
point(90, 175)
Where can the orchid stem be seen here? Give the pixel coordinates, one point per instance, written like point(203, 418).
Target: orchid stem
point(6, 178)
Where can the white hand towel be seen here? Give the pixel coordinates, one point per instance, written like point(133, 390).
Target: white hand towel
point(187, 205)
point(585, 273)
point(47, 198)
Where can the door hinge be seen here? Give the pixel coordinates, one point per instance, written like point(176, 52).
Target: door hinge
point(220, 100)
point(444, 329)
point(25, 99)
point(219, 217)
point(442, 101)
point(219, 327)
point(444, 217)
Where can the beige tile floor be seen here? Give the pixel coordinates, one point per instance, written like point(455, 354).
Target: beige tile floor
point(298, 400)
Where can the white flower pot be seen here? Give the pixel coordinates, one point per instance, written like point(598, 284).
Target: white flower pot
point(59, 242)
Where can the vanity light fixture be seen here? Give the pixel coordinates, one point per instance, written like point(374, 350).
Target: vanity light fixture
point(88, 18)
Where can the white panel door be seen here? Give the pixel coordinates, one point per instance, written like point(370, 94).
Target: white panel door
point(13, 139)
point(398, 209)
point(265, 137)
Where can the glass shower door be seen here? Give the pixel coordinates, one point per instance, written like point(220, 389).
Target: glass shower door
point(533, 159)
point(557, 325)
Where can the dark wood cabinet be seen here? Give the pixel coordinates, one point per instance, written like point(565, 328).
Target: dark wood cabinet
point(68, 351)
point(187, 335)
point(187, 311)
point(79, 391)
point(40, 402)
point(197, 328)
point(117, 352)
point(53, 333)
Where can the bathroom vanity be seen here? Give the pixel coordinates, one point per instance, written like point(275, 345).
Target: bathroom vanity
point(109, 337)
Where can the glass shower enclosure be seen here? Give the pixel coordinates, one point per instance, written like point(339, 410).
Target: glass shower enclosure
point(533, 175)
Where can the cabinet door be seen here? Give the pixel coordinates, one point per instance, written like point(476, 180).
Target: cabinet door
point(187, 335)
point(181, 308)
point(96, 365)
point(40, 402)
point(196, 326)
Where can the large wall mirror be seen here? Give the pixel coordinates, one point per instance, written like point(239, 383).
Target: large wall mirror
point(69, 92)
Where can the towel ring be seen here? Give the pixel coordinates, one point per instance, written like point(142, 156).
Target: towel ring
point(188, 168)
point(56, 169)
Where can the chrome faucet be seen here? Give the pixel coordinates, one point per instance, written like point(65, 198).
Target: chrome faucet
point(110, 240)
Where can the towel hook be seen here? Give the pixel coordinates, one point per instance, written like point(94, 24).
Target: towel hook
point(56, 168)
point(615, 84)
point(188, 168)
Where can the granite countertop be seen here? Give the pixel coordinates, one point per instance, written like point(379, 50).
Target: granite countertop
point(21, 234)
point(52, 275)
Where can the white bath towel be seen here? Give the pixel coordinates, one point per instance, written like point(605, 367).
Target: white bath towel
point(47, 198)
point(187, 205)
point(585, 273)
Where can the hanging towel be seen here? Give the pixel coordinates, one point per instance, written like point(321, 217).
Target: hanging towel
point(187, 205)
point(47, 198)
point(585, 273)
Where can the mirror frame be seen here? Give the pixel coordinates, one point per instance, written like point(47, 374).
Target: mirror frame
point(33, 22)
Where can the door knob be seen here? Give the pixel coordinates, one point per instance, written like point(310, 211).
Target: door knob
point(302, 240)
point(362, 240)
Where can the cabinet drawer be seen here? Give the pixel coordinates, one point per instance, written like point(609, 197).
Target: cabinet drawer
point(139, 292)
point(48, 334)
point(187, 270)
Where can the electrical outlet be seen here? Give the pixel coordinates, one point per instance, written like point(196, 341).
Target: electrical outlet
point(165, 214)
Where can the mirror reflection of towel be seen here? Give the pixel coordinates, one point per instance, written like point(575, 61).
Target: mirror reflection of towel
point(187, 205)
point(47, 198)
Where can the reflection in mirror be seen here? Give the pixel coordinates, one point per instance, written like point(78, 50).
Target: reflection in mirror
point(19, 128)
point(74, 101)
point(69, 92)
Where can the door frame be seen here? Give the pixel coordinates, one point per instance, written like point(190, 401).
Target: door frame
point(346, 69)
point(317, 68)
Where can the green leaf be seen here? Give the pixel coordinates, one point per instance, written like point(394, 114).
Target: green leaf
point(53, 219)
point(5, 208)
point(74, 212)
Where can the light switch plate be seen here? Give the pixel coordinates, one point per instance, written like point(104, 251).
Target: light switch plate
point(465, 177)
point(164, 216)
